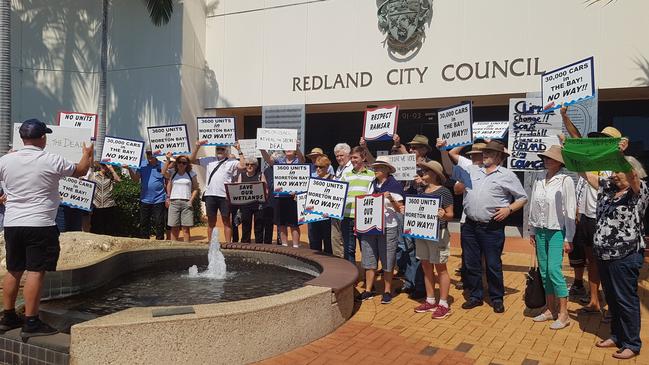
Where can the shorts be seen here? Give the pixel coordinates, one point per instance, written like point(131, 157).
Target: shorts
point(585, 231)
point(32, 248)
point(381, 246)
point(181, 213)
point(286, 212)
point(435, 252)
point(214, 204)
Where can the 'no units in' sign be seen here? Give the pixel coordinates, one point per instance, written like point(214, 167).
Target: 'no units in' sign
point(217, 131)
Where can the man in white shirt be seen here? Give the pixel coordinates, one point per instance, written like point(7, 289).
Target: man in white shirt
point(31, 178)
point(220, 170)
point(342, 152)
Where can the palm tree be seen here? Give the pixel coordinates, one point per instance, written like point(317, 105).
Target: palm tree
point(159, 12)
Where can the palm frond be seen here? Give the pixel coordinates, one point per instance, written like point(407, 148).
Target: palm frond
point(159, 11)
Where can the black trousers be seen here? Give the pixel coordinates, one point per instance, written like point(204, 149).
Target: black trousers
point(267, 225)
point(102, 221)
point(152, 216)
point(248, 214)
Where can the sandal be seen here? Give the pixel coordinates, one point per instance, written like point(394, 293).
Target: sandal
point(624, 354)
point(543, 317)
point(605, 343)
point(558, 325)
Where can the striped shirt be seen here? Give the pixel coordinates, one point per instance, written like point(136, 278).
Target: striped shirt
point(360, 183)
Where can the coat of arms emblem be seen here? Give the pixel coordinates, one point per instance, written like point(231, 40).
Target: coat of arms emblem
point(403, 22)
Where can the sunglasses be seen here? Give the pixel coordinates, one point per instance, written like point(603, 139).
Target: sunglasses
point(251, 164)
point(181, 162)
point(321, 166)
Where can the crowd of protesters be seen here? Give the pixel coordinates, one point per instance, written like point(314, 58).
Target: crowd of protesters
point(597, 222)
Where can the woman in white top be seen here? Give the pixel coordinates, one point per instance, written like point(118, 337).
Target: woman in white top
point(182, 191)
point(552, 228)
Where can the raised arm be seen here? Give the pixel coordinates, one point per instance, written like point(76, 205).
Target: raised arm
point(369, 158)
point(165, 166)
point(85, 162)
point(446, 160)
point(267, 158)
point(115, 175)
point(397, 147)
point(193, 158)
point(242, 159)
point(135, 175)
point(570, 127)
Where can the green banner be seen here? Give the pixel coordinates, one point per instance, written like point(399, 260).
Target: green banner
point(594, 154)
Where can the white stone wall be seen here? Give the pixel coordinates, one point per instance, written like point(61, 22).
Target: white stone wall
point(155, 74)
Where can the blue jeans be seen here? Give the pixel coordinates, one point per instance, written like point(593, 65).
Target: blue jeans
point(407, 261)
point(488, 241)
point(620, 283)
point(349, 239)
point(320, 236)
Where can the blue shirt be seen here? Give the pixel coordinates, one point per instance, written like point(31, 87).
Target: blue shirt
point(153, 184)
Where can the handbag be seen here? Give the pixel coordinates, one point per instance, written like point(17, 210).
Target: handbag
point(210, 178)
point(534, 293)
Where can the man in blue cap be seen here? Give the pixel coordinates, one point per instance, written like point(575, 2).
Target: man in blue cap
point(31, 179)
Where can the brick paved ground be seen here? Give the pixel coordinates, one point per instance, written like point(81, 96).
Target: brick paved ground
point(394, 334)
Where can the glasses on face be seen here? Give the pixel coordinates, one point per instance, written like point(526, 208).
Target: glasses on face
point(321, 166)
point(250, 164)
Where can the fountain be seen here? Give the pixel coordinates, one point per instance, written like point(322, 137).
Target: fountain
point(216, 267)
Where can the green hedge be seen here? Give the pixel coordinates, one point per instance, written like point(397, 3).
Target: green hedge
point(127, 196)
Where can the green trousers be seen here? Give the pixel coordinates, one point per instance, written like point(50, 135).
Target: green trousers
point(549, 252)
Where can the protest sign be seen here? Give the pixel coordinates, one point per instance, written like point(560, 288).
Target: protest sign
point(122, 151)
point(217, 131)
point(490, 130)
point(169, 138)
point(246, 193)
point(454, 125)
point(303, 216)
point(77, 193)
point(370, 217)
point(66, 142)
point(405, 165)
point(420, 217)
point(380, 123)
point(568, 84)
point(290, 178)
point(326, 197)
point(248, 148)
point(594, 154)
point(79, 120)
point(272, 139)
point(530, 132)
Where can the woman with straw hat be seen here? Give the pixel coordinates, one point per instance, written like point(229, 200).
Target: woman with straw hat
point(552, 227)
point(382, 246)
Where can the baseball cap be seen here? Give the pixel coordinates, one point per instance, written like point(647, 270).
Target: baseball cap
point(33, 128)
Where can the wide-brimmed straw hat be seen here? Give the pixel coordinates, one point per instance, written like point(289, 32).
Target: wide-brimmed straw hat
point(315, 152)
point(554, 152)
point(421, 140)
point(435, 166)
point(608, 132)
point(383, 161)
point(495, 146)
point(477, 148)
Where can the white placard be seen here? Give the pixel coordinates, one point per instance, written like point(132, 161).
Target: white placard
point(454, 125)
point(79, 120)
point(248, 148)
point(370, 217)
point(217, 131)
point(531, 131)
point(274, 139)
point(380, 123)
point(568, 84)
point(246, 193)
point(169, 138)
point(77, 193)
point(66, 142)
point(490, 130)
point(420, 219)
point(122, 151)
point(326, 197)
point(303, 216)
point(405, 165)
point(290, 178)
